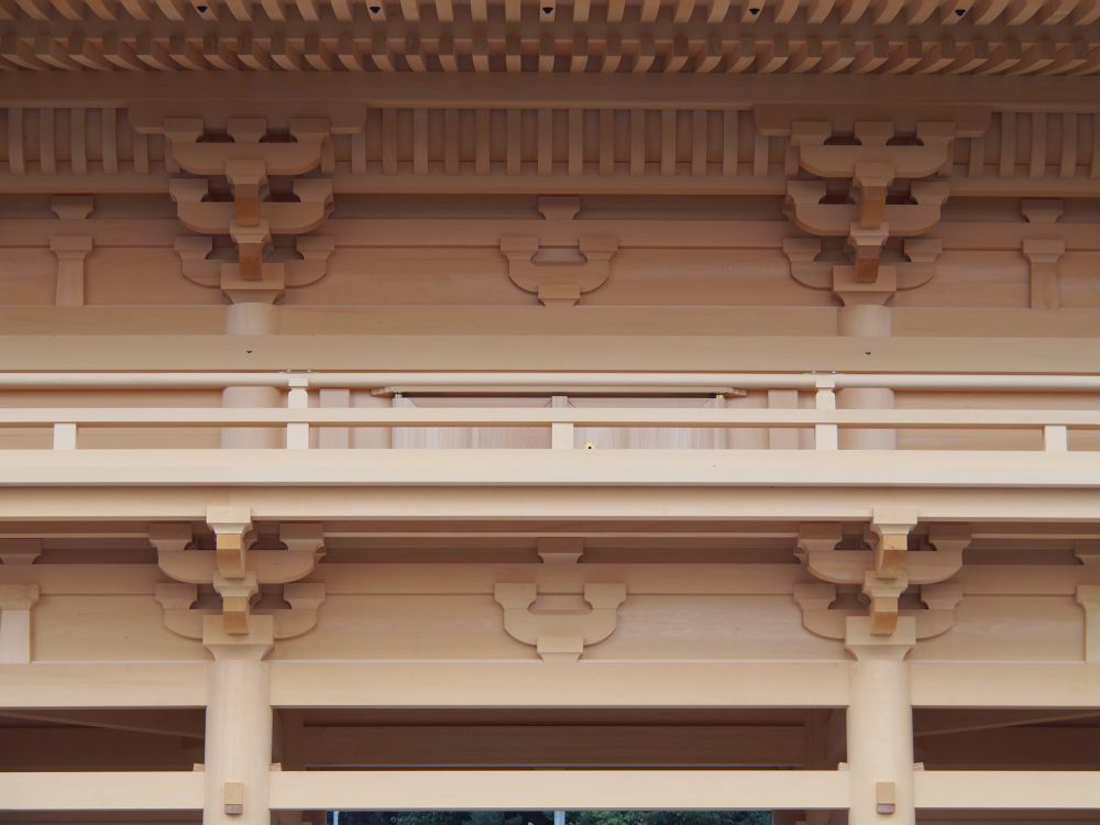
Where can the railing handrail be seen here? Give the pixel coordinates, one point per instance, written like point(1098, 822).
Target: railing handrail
point(544, 416)
point(549, 382)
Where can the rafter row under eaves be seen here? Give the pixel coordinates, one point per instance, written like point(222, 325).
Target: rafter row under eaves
point(818, 36)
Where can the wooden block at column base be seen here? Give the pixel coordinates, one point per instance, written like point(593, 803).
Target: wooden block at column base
point(885, 797)
point(233, 798)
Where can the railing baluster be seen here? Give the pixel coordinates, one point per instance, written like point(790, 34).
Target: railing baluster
point(826, 436)
point(297, 398)
point(1056, 438)
point(64, 436)
point(561, 436)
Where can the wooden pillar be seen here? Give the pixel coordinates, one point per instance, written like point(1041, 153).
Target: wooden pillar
point(880, 725)
point(252, 318)
point(866, 321)
point(238, 725)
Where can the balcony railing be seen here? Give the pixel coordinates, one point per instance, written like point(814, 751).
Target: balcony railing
point(298, 418)
point(1054, 425)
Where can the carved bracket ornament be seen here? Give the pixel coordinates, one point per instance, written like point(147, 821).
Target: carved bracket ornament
point(873, 161)
point(842, 279)
point(559, 274)
point(237, 571)
point(560, 635)
point(247, 156)
point(884, 574)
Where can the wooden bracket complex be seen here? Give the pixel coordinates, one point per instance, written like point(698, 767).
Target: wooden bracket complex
point(873, 160)
point(277, 277)
point(883, 574)
point(247, 161)
point(560, 634)
point(236, 571)
point(559, 273)
point(841, 279)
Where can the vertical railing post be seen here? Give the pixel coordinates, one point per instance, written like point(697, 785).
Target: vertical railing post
point(64, 436)
point(562, 436)
point(825, 435)
point(1056, 438)
point(297, 398)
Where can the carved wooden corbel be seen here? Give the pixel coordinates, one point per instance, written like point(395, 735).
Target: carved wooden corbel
point(551, 270)
point(276, 277)
point(872, 161)
point(843, 280)
point(302, 155)
point(884, 573)
point(236, 571)
point(560, 635)
point(560, 549)
point(840, 220)
point(20, 552)
point(937, 618)
point(816, 538)
point(838, 160)
point(247, 161)
point(208, 217)
point(177, 600)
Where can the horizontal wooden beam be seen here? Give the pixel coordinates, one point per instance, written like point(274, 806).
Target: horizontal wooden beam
point(556, 790)
point(587, 684)
point(1005, 685)
point(615, 417)
point(545, 500)
point(1005, 790)
point(210, 93)
point(903, 472)
point(101, 791)
point(103, 685)
point(557, 352)
point(590, 683)
point(551, 746)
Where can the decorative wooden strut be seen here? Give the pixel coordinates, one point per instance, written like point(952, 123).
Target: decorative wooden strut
point(884, 573)
point(554, 273)
point(878, 158)
point(70, 249)
point(236, 571)
point(248, 160)
point(1088, 595)
point(17, 599)
point(560, 635)
point(1043, 254)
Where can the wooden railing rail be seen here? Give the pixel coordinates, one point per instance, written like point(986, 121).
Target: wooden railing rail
point(549, 382)
point(1053, 424)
